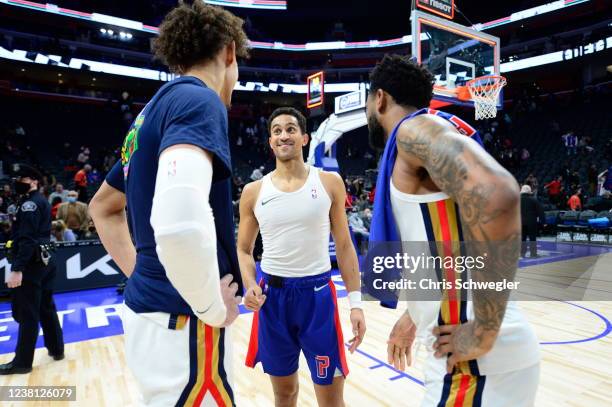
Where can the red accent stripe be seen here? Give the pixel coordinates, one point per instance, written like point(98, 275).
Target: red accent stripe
point(463, 387)
point(75, 12)
point(345, 368)
point(461, 125)
point(207, 361)
point(208, 383)
point(253, 341)
point(446, 238)
point(216, 395)
point(29, 3)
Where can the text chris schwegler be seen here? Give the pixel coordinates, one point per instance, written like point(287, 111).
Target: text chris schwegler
point(412, 264)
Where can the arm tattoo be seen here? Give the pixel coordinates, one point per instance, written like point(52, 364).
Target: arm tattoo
point(466, 178)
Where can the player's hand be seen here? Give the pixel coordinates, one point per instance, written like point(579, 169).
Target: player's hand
point(359, 328)
point(461, 342)
point(14, 279)
point(231, 301)
point(399, 345)
point(254, 298)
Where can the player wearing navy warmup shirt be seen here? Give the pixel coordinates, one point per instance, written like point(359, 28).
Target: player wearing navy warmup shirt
point(174, 177)
point(295, 207)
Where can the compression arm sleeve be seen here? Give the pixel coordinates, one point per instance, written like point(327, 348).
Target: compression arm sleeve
point(184, 228)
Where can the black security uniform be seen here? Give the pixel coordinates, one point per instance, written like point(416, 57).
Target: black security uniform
point(531, 214)
point(32, 302)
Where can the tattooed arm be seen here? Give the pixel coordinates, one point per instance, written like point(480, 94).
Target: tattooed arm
point(489, 205)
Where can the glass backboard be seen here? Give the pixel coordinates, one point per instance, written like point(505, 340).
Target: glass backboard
point(454, 54)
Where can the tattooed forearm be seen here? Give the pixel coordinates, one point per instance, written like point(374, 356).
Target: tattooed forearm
point(488, 205)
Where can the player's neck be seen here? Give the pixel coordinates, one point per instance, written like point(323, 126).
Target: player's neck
point(393, 117)
point(290, 169)
point(210, 74)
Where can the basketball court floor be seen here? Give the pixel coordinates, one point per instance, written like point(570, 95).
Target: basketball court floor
point(575, 338)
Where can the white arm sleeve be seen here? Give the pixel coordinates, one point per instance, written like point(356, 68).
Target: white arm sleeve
point(184, 228)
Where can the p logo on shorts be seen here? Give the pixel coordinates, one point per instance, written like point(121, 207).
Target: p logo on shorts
point(322, 365)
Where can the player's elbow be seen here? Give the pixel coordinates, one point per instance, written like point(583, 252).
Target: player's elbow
point(508, 193)
point(106, 202)
point(178, 243)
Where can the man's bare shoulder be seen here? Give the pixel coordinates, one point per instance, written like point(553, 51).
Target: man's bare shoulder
point(425, 124)
point(250, 192)
point(331, 179)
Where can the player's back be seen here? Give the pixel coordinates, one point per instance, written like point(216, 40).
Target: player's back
point(183, 111)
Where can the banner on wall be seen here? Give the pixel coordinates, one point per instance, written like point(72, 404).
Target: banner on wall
point(80, 266)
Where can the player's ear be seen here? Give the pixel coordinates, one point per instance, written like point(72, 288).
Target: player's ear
point(305, 138)
point(381, 101)
point(230, 53)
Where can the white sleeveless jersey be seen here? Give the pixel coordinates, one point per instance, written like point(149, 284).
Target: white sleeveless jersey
point(294, 228)
point(435, 217)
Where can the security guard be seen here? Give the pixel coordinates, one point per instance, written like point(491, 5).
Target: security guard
point(32, 275)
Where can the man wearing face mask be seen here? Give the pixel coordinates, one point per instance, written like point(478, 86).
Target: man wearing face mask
point(74, 214)
point(32, 275)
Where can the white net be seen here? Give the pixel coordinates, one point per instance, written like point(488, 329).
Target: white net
point(485, 93)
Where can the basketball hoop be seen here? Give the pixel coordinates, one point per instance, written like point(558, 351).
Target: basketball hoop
point(485, 94)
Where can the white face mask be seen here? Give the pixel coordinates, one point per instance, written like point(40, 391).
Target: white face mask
point(72, 199)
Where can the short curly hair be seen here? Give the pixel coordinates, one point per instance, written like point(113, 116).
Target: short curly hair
point(193, 33)
point(408, 83)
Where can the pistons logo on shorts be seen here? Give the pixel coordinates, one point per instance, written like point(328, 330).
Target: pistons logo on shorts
point(313, 193)
point(322, 365)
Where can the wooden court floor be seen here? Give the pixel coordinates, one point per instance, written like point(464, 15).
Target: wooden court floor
point(576, 365)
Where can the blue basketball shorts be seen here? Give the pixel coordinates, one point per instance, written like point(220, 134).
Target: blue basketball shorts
point(300, 314)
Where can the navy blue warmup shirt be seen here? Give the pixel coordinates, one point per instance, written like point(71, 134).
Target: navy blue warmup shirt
point(184, 111)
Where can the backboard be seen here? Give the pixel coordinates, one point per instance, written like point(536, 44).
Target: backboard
point(454, 54)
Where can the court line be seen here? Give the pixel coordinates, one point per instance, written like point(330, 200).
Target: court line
point(380, 363)
point(604, 333)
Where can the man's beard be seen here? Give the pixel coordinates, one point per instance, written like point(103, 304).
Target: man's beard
point(376, 134)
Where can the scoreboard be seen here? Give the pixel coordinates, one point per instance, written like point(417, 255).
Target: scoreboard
point(444, 8)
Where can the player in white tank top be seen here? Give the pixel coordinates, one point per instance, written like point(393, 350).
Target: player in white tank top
point(295, 208)
point(294, 227)
point(442, 186)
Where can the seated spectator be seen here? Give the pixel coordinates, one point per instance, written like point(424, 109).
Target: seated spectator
point(574, 202)
point(367, 218)
point(60, 233)
point(91, 233)
point(74, 214)
point(362, 203)
point(371, 195)
point(55, 203)
point(357, 225)
point(257, 173)
point(59, 192)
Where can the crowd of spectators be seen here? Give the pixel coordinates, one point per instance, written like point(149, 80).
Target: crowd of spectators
point(568, 184)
